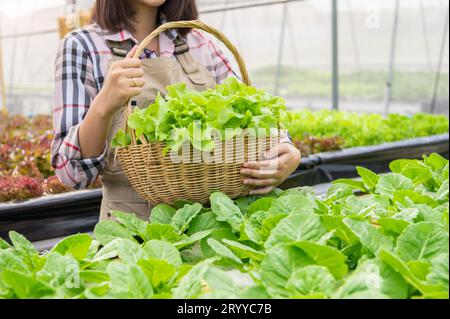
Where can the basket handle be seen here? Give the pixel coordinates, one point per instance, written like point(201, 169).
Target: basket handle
point(188, 25)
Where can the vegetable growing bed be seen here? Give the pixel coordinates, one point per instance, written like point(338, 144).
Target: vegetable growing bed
point(335, 143)
point(74, 212)
point(25, 169)
point(324, 131)
point(379, 237)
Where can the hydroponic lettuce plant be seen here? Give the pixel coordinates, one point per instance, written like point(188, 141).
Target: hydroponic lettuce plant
point(227, 110)
point(330, 130)
point(383, 236)
point(25, 168)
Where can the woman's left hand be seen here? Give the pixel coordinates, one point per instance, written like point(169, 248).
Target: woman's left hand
point(281, 161)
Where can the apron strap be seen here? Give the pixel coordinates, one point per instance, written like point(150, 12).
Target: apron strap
point(183, 55)
point(120, 49)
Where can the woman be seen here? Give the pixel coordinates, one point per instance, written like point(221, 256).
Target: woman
point(96, 75)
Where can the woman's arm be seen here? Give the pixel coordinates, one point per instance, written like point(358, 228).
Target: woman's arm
point(124, 80)
point(81, 117)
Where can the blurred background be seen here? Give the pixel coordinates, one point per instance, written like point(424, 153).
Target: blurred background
point(383, 56)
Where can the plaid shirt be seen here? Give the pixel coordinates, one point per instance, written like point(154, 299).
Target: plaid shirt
point(81, 65)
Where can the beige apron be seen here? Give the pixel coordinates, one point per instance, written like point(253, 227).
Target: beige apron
point(159, 73)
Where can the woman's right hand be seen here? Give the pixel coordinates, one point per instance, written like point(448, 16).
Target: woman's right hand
point(124, 81)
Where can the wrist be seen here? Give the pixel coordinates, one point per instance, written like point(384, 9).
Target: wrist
point(100, 107)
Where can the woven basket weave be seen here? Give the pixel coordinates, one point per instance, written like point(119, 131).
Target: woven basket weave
point(158, 179)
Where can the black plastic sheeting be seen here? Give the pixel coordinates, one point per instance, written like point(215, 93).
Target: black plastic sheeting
point(329, 166)
point(66, 214)
point(52, 216)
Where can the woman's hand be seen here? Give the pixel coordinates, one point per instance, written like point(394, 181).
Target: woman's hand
point(281, 161)
point(124, 81)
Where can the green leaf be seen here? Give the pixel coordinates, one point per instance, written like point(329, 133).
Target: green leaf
point(256, 292)
point(131, 222)
point(11, 261)
point(201, 222)
point(373, 278)
point(390, 183)
point(4, 244)
point(162, 214)
point(121, 139)
point(439, 271)
point(130, 252)
point(269, 223)
point(311, 280)
point(129, 281)
point(22, 246)
point(25, 286)
point(293, 204)
point(422, 241)
point(107, 231)
point(244, 251)
point(184, 216)
point(190, 240)
point(160, 249)
point(336, 224)
point(435, 161)
point(355, 184)
point(326, 256)
point(409, 215)
point(369, 178)
point(75, 245)
point(157, 270)
point(278, 266)
point(415, 170)
point(369, 236)
point(223, 251)
point(60, 270)
point(161, 232)
point(92, 276)
point(392, 226)
point(109, 251)
point(419, 268)
point(225, 210)
point(190, 285)
point(405, 197)
point(220, 284)
point(252, 227)
point(402, 268)
point(219, 235)
point(297, 227)
point(262, 204)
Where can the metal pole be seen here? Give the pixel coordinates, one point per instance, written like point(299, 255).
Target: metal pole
point(335, 60)
point(390, 78)
point(425, 33)
point(439, 67)
point(353, 35)
point(280, 49)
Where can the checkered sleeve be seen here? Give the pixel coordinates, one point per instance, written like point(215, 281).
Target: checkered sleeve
point(75, 89)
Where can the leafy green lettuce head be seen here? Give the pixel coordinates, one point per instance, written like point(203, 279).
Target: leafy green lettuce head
point(225, 111)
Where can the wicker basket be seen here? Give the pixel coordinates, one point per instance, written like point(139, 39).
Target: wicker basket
point(157, 178)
